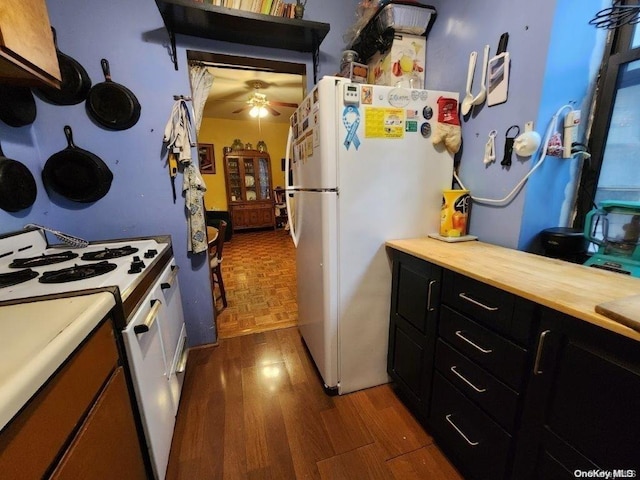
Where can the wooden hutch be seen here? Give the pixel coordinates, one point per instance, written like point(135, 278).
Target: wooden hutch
point(249, 189)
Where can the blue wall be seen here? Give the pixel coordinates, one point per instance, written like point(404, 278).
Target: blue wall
point(131, 35)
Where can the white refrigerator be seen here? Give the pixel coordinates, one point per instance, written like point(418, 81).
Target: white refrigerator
point(364, 170)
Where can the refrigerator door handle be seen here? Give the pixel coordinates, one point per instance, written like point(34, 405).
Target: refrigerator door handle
point(287, 196)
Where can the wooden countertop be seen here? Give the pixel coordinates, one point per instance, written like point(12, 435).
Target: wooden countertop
point(36, 338)
point(563, 286)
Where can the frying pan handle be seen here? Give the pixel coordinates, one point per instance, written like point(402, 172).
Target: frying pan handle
point(55, 37)
point(69, 134)
point(105, 69)
point(1, 152)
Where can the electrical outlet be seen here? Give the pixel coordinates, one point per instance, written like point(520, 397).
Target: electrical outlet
point(571, 123)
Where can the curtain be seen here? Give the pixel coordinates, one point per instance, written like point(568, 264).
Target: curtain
point(201, 81)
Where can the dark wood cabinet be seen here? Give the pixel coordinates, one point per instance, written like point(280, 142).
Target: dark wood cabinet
point(249, 190)
point(581, 406)
point(412, 328)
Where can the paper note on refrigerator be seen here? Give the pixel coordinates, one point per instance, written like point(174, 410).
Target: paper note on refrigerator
point(382, 122)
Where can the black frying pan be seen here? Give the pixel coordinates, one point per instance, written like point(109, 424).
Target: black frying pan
point(17, 106)
point(76, 174)
point(75, 84)
point(112, 105)
point(17, 186)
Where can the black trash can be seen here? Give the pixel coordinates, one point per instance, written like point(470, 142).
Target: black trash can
point(564, 243)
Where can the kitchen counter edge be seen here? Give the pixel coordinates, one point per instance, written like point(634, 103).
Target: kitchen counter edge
point(566, 287)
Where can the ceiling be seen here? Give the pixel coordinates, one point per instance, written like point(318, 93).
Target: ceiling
point(233, 86)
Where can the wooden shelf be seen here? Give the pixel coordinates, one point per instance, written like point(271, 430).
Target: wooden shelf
point(238, 26)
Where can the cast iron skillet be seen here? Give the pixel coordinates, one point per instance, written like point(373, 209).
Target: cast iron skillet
point(17, 186)
point(75, 84)
point(17, 106)
point(112, 105)
point(76, 174)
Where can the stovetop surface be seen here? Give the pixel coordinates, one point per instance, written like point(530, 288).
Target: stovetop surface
point(33, 243)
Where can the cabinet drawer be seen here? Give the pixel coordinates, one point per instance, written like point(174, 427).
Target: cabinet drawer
point(502, 311)
point(476, 444)
point(34, 438)
point(495, 398)
point(500, 357)
point(107, 445)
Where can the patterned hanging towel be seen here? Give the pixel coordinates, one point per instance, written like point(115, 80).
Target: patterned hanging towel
point(194, 188)
point(180, 139)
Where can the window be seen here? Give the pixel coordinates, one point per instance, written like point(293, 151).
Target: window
point(613, 173)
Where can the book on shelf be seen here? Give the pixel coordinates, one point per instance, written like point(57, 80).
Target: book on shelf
point(266, 6)
point(246, 5)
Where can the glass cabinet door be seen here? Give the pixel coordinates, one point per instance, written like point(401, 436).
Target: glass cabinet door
point(250, 179)
point(263, 179)
point(234, 179)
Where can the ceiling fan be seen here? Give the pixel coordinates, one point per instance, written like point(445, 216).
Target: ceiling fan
point(259, 106)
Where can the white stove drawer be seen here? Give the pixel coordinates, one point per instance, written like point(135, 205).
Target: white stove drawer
point(178, 369)
point(172, 316)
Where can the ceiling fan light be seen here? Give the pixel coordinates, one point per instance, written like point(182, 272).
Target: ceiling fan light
point(262, 112)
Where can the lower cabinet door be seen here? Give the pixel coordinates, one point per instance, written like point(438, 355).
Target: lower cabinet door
point(475, 444)
point(107, 446)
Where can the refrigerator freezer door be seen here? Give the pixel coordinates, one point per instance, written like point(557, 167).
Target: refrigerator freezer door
point(314, 137)
point(316, 258)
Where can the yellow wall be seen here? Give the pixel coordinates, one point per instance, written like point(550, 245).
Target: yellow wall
point(221, 133)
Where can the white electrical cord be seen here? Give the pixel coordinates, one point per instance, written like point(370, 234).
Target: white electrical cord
point(516, 189)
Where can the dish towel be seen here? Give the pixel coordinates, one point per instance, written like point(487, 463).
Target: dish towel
point(180, 138)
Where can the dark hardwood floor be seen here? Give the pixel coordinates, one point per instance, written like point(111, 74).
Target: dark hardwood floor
point(253, 408)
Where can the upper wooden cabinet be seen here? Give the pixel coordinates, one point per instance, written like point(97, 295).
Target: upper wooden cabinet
point(249, 190)
point(27, 51)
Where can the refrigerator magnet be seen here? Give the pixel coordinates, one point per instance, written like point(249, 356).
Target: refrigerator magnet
point(351, 121)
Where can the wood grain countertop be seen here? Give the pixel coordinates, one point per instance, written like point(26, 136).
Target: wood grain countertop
point(566, 287)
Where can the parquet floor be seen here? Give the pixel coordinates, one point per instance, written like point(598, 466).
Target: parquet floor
point(259, 273)
point(253, 408)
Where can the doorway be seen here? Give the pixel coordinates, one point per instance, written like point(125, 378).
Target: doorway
point(259, 263)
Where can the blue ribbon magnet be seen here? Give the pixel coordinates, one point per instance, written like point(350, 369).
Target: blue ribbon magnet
point(351, 121)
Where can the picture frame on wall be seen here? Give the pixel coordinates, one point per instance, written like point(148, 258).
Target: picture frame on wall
point(207, 159)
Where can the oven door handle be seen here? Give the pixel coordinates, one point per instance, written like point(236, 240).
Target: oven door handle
point(182, 364)
point(150, 318)
point(172, 277)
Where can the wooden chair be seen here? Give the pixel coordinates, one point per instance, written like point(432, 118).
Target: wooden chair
point(215, 255)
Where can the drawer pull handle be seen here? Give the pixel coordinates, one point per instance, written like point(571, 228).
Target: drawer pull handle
point(473, 444)
point(429, 307)
point(473, 344)
point(172, 277)
point(461, 377)
point(464, 296)
point(148, 321)
point(536, 365)
point(182, 364)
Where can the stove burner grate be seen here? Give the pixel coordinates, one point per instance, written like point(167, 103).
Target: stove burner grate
point(77, 272)
point(43, 259)
point(109, 253)
point(14, 278)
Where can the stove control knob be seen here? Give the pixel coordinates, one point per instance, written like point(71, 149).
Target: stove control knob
point(135, 269)
point(150, 253)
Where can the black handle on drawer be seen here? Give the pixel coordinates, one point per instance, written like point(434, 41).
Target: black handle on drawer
point(150, 318)
point(536, 364)
point(429, 292)
point(460, 432)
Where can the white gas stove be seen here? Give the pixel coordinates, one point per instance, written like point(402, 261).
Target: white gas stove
point(30, 267)
point(142, 275)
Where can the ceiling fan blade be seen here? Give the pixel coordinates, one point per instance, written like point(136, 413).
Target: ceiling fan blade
point(272, 110)
point(284, 104)
point(246, 107)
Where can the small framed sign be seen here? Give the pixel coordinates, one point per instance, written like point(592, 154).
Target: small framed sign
point(206, 157)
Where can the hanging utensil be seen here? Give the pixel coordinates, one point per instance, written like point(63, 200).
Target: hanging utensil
point(498, 68)
point(173, 172)
point(616, 16)
point(17, 105)
point(467, 102)
point(17, 186)
point(65, 238)
point(508, 145)
point(482, 95)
